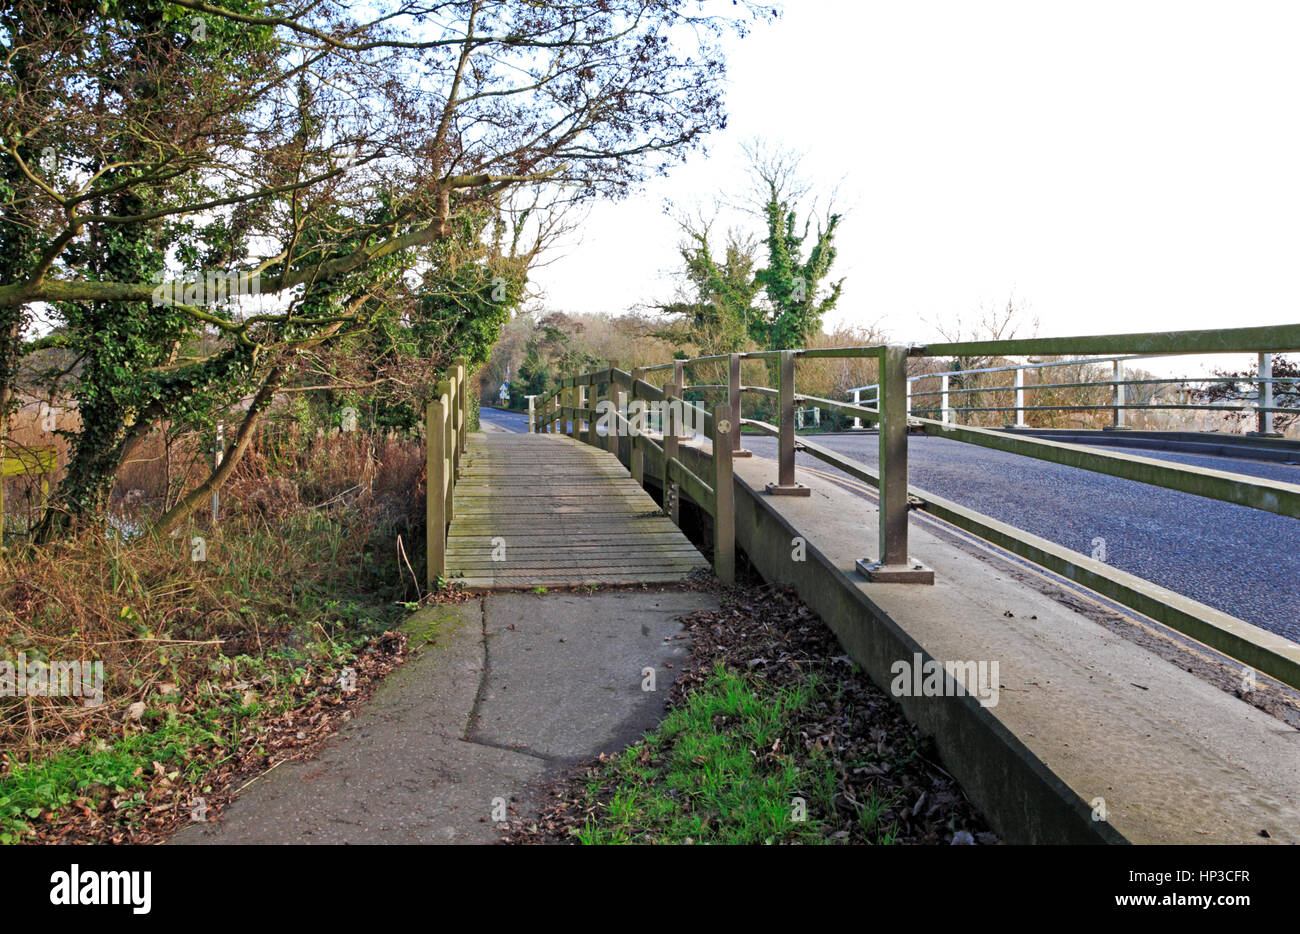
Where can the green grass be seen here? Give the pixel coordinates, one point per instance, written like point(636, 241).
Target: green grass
point(713, 772)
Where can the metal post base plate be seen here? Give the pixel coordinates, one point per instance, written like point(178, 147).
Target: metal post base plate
point(798, 489)
point(914, 572)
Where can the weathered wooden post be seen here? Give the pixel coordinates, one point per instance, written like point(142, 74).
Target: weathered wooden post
point(582, 426)
point(672, 413)
point(462, 410)
point(453, 433)
point(724, 505)
point(893, 565)
point(786, 485)
point(447, 390)
point(435, 531)
point(734, 387)
point(612, 397)
point(636, 459)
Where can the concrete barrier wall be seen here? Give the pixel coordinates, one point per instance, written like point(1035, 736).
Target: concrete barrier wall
point(1021, 797)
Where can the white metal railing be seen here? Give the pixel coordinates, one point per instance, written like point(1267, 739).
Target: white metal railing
point(1261, 403)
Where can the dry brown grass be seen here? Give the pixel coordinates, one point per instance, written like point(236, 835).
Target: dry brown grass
point(299, 520)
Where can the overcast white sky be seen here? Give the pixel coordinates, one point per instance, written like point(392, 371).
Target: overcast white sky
point(1115, 166)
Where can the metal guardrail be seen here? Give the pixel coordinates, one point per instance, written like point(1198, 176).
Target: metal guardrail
point(891, 563)
point(1262, 406)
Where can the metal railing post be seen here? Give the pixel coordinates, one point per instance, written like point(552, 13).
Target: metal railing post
point(1117, 395)
point(1020, 397)
point(724, 506)
point(857, 400)
point(786, 485)
point(893, 566)
point(435, 531)
point(733, 402)
point(1265, 419)
point(945, 415)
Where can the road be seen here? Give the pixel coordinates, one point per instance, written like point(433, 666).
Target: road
point(1239, 560)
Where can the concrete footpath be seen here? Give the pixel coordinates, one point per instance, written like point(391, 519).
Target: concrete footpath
point(503, 692)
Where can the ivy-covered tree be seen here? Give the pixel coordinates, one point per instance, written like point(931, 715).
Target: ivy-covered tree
point(797, 300)
point(730, 299)
point(328, 153)
point(718, 308)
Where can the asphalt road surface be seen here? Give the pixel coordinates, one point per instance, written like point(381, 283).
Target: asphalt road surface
point(1242, 561)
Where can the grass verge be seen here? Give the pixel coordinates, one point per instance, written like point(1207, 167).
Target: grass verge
point(772, 736)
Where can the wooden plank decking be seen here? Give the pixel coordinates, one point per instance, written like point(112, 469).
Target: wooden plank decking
point(547, 511)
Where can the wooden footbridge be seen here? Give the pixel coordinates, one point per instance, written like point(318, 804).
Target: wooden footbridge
point(547, 511)
point(556, 509)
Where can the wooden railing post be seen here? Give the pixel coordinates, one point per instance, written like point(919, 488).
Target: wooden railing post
point(636, 459)
point(447, 391)
point(532, 415)
point(453, 428)
point(611, 396)
point(724, 506)
point(671, 416)
point(733, 402)
point(785, 484)
point(435, 532)
point(893, 566)
point(462, 410)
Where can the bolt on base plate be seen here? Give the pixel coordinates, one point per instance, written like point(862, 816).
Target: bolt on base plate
point(914, 572)
point(798, 489)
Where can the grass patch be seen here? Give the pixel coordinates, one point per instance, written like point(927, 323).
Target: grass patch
point(726, 766)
